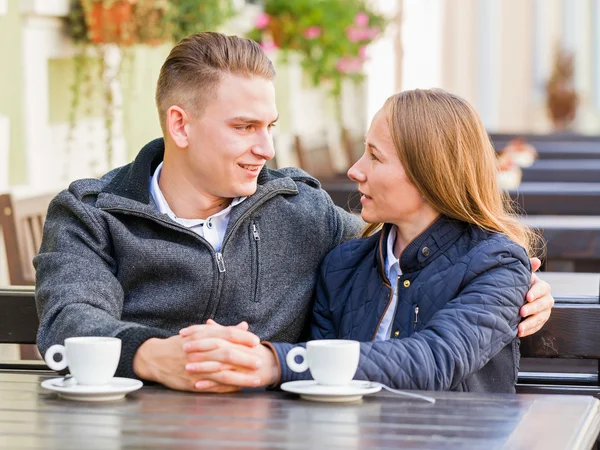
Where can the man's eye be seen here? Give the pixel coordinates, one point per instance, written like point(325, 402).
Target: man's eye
point(273, 125)
point(244, 128)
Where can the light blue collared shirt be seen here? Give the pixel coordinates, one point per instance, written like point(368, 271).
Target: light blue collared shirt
point(392, 271)
point(212, 229)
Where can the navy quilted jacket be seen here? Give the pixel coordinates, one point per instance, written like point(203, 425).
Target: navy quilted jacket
point(468, 285)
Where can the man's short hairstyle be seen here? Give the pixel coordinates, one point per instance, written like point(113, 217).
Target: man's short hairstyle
point(191, 73)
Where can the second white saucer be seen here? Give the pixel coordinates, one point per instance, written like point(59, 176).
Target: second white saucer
point(115, 390)
point(311, 390)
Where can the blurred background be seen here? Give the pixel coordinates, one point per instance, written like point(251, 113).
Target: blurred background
point(77, 80)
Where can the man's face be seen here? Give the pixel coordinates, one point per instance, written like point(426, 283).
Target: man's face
point(231, 141)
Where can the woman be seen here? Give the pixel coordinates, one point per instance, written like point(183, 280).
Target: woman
point(433, 288)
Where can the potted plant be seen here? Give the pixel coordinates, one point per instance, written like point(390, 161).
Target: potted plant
point(562, 97)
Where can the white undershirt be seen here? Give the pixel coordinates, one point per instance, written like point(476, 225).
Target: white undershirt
point(212, 228)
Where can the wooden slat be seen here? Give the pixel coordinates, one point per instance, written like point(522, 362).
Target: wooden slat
point(9, 231)
point(573, 331)
point(578, 285)
point(18, 317)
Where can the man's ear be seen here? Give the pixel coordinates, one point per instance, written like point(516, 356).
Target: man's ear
point(178, 126)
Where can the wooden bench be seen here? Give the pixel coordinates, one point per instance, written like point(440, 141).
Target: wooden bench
point(572, 242)
point(563, 170)
point(555, 198)
point(22, 223)
point(18, 324)
point(555, 145)
point(563, 357)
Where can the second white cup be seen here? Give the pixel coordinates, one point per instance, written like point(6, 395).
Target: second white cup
point(331, 362)
point(91, 360)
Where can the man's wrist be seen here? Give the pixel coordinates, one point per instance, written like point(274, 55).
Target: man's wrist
point(143, 359)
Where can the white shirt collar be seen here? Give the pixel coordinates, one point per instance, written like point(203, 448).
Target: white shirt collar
point(391, 259)
point(164, 208)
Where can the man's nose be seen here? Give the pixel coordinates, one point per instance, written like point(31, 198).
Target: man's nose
point(264, 147)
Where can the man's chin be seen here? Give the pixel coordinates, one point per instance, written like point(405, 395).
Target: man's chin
point(246, 190)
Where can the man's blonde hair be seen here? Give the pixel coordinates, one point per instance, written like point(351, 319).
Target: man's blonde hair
point(191, 73)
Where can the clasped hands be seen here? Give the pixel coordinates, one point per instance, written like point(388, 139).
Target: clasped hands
point(207, 358)
point(216, 358)
point(226, 358)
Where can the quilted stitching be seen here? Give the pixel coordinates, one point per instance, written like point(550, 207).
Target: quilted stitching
point(469, 292)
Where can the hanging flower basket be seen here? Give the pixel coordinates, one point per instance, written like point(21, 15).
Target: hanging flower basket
point(110, 23)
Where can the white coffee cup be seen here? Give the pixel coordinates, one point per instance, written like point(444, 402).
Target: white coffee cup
point(331, 362)
point(91, 360)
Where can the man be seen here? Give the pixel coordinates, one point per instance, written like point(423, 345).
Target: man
point(196, 228)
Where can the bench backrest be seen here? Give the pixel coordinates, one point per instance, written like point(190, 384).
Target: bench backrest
point(22, 222)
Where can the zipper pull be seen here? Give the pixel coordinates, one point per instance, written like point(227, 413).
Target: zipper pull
point(255, 232)
point(220, 262)
point(416, 315)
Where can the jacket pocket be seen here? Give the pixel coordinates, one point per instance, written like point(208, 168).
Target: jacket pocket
point(254, 234)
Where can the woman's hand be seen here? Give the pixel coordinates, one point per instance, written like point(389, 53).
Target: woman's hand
point(539, 304)
point(225, 365)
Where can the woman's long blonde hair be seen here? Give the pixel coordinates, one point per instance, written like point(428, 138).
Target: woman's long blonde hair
point(447, 155)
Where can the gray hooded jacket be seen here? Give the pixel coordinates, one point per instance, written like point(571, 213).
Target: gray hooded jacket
point(112, 265)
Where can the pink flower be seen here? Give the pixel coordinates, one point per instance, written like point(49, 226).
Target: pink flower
point(262, 21)
point(354, 34)
point(312, 32)
point(362, 52)
point(371, 33)
point(268, 46)
point(361, 19)
point(349, 65)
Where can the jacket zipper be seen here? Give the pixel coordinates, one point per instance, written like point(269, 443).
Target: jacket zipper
point(416, 311)
point(218, 255)
point(255, 261)
point(220, 262)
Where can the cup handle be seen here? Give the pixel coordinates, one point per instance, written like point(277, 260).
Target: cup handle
point(290, 359)
point(49, 357)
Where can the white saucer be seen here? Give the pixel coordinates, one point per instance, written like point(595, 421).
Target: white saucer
point(311, 390)
point(115, 390)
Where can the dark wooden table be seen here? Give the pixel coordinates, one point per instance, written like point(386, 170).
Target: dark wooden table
point(564, 170)
point(156, 418)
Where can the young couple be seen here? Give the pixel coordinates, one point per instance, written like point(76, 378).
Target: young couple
point(208, 265)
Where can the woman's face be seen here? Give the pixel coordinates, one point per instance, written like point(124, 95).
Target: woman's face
point(387, 195)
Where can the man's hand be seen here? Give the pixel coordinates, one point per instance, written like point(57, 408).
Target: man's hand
point(539, 304)
point(224, 364)
point(234, 365)
point(164, 360)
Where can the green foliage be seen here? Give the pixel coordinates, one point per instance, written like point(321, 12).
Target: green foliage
point(331, 35)
point(187, 17)
point(126, 23)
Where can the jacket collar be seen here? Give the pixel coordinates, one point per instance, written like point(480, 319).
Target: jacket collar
point(131, 182)
point(425, 247)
